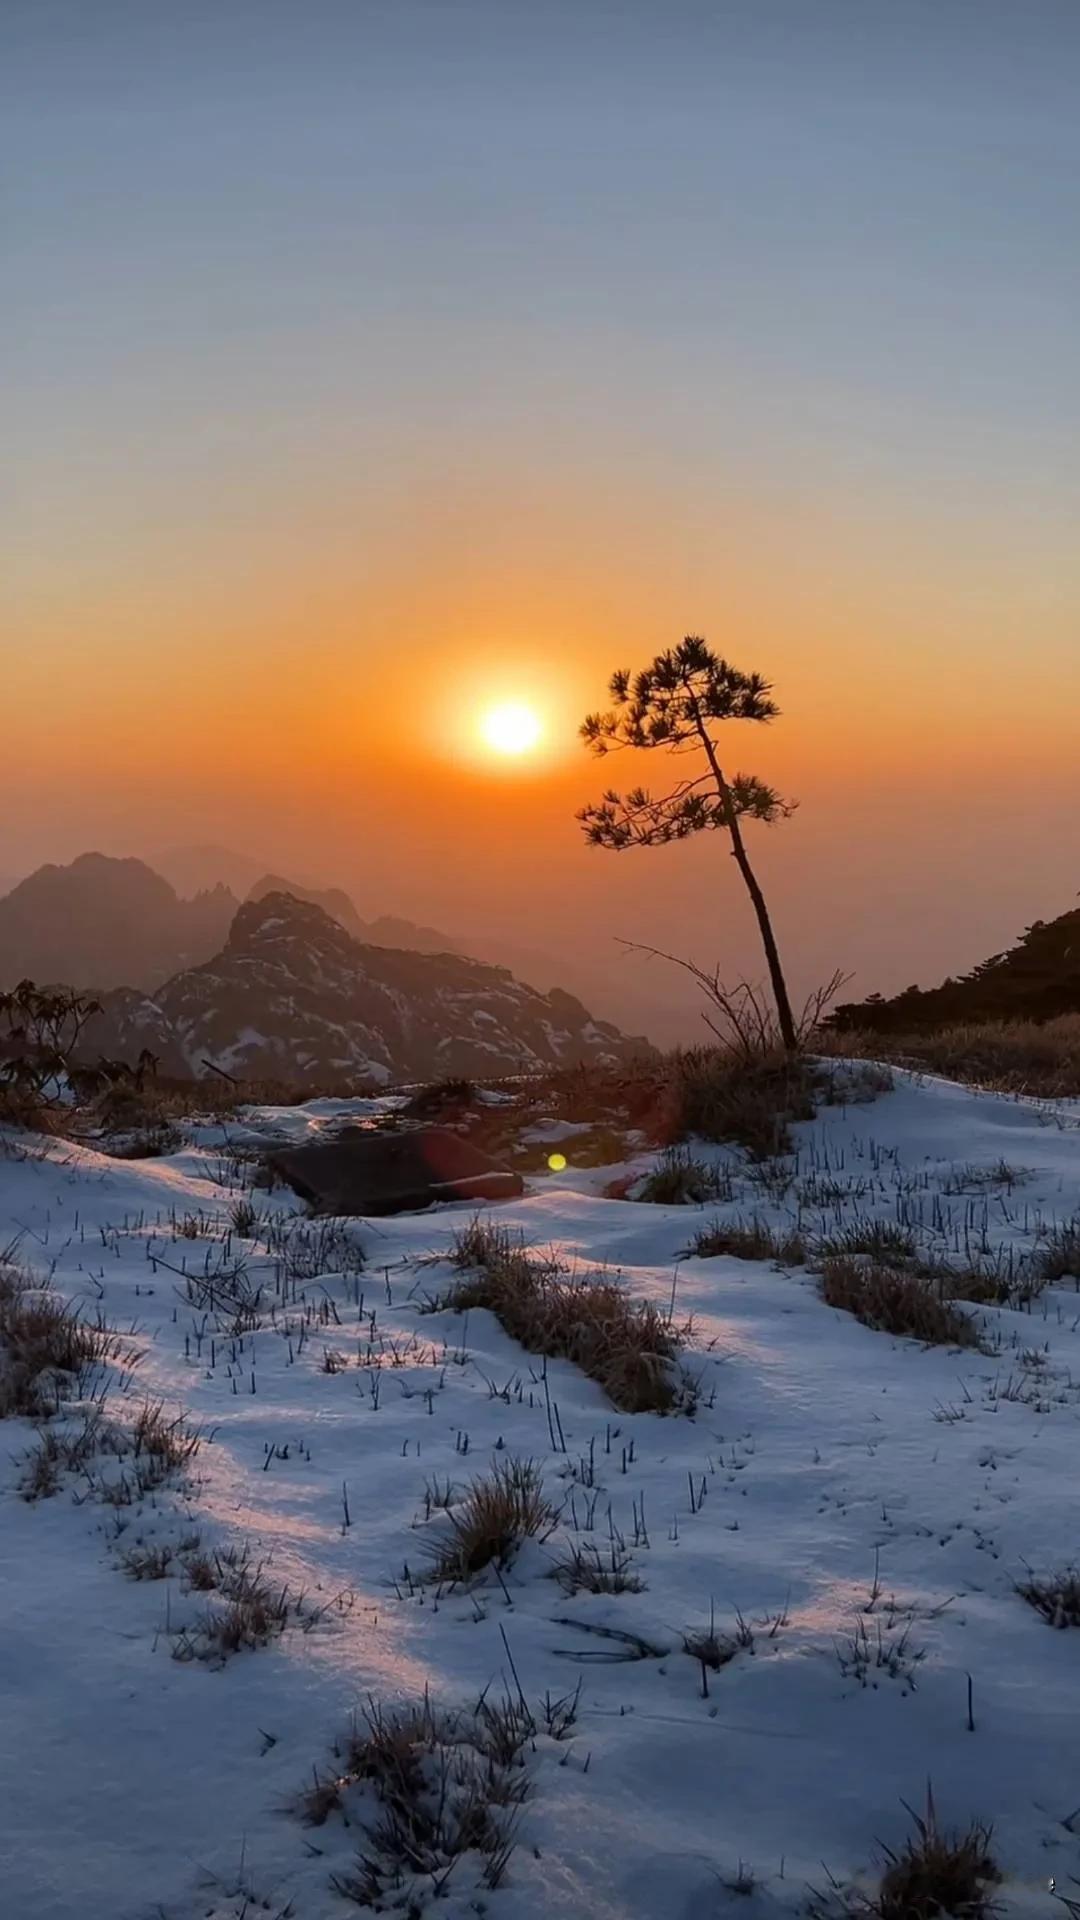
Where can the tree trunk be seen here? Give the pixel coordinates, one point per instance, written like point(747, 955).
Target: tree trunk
point(768, 938)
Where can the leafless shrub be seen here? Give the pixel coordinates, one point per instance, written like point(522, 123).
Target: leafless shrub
point(895, 1302)
point(626, 1346)
point(586, 1569)
point(495, 1516)
point(751, 1240)
point(743, 1017)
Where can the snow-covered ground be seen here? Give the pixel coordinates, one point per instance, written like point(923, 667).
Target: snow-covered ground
point(834, 1484)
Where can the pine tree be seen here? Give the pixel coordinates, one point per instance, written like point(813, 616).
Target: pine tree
point(672, 705)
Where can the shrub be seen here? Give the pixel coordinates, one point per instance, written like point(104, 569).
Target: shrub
point(895, 1302)
point(626, 1346)
point(714, 1094)
point(490, 1523)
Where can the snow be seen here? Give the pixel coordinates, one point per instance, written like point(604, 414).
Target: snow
point(826, 1461)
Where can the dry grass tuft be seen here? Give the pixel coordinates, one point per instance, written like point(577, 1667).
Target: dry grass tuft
point(254, 1613)
point(445, 1785)
point(626, 1346)
point(1058, 1257)
point(162, 1446)
point(881, 1240)
point(1056, 1597)
point(751, 1240)
point(716, 1650)
point(715, 1094)
point(678, 1180)
point(147, 1562)
point(587, 1570)
point(895, 1302)
point(64, 1449)
point(492, 1520)
point(1008, 1056)
point(46, 1347)
point(938, 1873)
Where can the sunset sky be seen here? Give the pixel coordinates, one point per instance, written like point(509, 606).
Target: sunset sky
point(371, 364)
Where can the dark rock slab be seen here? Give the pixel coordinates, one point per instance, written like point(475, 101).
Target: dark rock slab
point(359, 1172)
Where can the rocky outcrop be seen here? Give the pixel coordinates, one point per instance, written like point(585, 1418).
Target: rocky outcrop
point(293, 996)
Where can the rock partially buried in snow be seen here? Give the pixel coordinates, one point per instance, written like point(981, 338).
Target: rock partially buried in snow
point(360, 1172)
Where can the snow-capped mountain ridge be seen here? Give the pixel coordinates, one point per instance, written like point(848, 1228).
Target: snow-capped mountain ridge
point(293, 995)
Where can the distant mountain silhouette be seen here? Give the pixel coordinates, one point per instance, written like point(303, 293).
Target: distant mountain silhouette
point(1036, 979)
point(333, 900)
point(199, 869)
point(101, 922)
point(293, 996)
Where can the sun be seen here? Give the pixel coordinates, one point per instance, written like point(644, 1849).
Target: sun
point(512, 728)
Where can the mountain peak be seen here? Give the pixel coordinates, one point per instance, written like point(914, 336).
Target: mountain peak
point(292, 996)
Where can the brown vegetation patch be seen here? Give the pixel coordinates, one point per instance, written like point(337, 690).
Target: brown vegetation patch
point(489, 1524)
point(895, 1302)
point(628, 1347)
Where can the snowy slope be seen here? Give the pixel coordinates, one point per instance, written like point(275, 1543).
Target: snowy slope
point(833, 1482)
